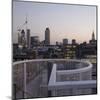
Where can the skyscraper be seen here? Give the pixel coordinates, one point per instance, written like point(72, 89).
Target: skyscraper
point(47, 36)
point(65, 41)
point(93, 40)
point(28, 38)
point(19, 39)
point(73, 41)
point(93, 36)
point(34, 41)
point(23, 41)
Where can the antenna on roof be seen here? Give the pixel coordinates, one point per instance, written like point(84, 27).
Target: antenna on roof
point(25, 23)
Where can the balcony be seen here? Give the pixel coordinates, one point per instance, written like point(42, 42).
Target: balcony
point(52, 77)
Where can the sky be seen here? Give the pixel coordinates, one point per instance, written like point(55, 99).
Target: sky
point(64, 20)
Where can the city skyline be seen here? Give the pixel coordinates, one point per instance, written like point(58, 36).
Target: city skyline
point(78, 23)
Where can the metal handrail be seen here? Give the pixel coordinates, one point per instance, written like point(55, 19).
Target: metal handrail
point(53, 60)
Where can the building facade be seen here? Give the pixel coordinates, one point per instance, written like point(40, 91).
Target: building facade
point(28, 38)
point(47, 36)
point(65, 41)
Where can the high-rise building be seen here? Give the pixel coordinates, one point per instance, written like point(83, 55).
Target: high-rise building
point(57, 43)
point(28, 38)
point(93, 41)
point(23, 41)
point(65, 41)
point(47, 36)
point(19, 39)
point(85, 50)
point(34, 41)
point(73, 41)
point(93, 36)
point(70, 51)
point(23, 33)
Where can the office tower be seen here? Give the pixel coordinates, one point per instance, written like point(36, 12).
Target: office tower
point(47, 36)
point(28, 38)
point(93, 41)
point(19, 39)
point(57, 43)
point(93, 36)
point(23, 41)
point(65, 41)
point(34, 41)
point(22, 33)
point(73, 41)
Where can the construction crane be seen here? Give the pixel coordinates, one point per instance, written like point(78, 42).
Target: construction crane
point(25, 23)
point(21, 39)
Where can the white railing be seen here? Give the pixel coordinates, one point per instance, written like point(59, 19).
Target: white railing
point(69, 86)
point(52, 60)
point(36, 70)
point(53, 83)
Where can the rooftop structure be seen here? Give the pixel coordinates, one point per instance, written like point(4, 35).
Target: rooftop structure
point(47, 36)
point(52, 77)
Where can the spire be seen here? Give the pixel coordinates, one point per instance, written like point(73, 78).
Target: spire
point(93, 36)
point(26, 20)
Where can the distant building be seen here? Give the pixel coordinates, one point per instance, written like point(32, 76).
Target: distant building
point(65, 41)
point(93, 41)
point(15, 48)
point(57, 43)
point(87, 49)
point(47, 36)
point(28, 38)
point(74, 41)
point(34, 41)
point(23, 53)
point(93, 36)
point(70, 51)
point(42, 43)
point(22, 38)
point(19, 39)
